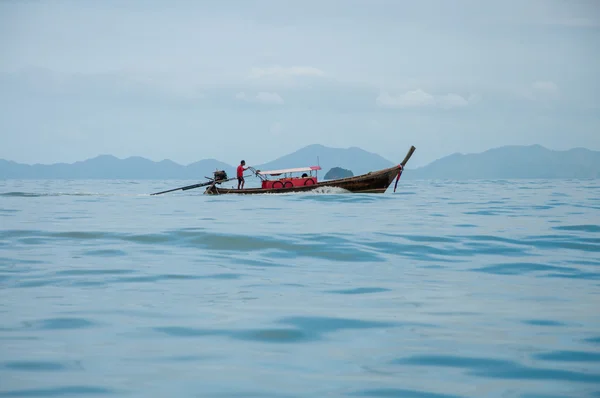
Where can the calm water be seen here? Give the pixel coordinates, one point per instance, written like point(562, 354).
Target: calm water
point(482, 289)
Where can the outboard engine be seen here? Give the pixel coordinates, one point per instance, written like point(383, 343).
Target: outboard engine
point(220, 175)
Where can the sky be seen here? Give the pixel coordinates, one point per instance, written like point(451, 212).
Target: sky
point(258, 79)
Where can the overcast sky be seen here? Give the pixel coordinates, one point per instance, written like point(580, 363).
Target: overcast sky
point(257, 79)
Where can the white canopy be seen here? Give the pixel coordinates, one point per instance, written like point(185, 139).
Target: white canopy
point(296, 170)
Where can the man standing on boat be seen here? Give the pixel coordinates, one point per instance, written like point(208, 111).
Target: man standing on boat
point(240, 174)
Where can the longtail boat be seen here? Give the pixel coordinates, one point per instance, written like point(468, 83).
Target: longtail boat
point(371, 182)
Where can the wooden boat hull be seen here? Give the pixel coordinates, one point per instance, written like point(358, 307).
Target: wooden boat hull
point(372, 182)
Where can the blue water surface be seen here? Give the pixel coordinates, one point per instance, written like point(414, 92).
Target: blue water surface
point(442, 289)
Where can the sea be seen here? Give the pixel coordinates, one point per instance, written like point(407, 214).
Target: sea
point(442, 289)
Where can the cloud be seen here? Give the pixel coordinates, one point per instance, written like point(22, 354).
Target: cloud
point(262, 97)
point(281, 72)
point(269, 98)
point(420, 98)
point(545, 88)
point(541, 90)
point(409, 99)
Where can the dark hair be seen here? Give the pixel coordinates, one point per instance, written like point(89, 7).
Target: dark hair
point(243, 161)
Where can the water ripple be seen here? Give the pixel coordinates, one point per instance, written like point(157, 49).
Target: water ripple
point(579, 228)
point(569, 356)
point(360, 290)
point(500, 369)
point(397, 392)
point(59, 392)
point(34, 366)
point(593, 340)
point(57, 324)
point(543, 322)
point(520, 268)
point(304, 329)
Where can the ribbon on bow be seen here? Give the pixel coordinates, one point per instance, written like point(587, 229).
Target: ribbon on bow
point(398, 177)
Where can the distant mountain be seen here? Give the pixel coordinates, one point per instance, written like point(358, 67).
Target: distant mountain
point(356, 159)
point(338, 172)
point(509, 162)
point(110, 167)
point(513, 162)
